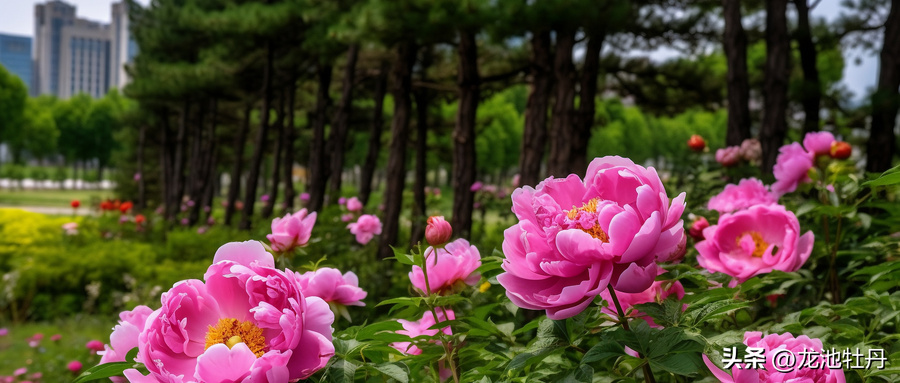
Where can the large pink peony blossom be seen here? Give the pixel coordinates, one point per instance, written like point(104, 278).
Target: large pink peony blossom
point(657, 293)
point(292, 231)
point(365, 228)
point(448, 268)
point(755, 241)
point(246, 322)
point(747, 193)
point(775, 344)
point(328, 283)
point(791, 168)
point(422, 327)
point(818, 143)
point(576, 237)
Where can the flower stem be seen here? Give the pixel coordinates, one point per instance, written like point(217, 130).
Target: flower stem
point(648, 373)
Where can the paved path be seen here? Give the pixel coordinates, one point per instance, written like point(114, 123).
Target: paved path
point(49, 210)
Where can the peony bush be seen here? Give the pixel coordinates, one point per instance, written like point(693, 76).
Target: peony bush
point(629, 273)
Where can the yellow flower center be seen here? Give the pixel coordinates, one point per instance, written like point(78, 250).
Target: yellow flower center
point(230, 331)
point(759, 244)
point(588, 207)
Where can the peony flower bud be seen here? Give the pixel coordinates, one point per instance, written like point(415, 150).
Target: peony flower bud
point(697, 227)
point(696, 143)
point(840, 150)
point(438, 231)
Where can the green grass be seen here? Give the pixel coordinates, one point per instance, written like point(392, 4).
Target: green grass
point(52, 198)
point(51, 358)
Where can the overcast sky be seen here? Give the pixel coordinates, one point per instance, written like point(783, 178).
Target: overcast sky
point(17, 17)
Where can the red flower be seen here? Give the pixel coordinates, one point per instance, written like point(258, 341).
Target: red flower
point(139, 219)
point(841, 150)
point(124, 207)
point(696, 143)
point(106, 205)
point(75, 204)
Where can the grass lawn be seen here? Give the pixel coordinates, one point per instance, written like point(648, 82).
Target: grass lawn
point(48, 357)
point(52, 198)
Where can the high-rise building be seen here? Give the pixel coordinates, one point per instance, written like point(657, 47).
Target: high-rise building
point(15, 56)
point(73, 55)
point(123, 48)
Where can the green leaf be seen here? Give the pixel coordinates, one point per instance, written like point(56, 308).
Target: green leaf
point(343, 371)
point(395, 371)
point(606, 349)
point(889, 177)
point(103, 371)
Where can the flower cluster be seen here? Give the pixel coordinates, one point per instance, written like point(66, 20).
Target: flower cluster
point(794, 162)
point(749, 150)
point(771, 345)
point(246, 321)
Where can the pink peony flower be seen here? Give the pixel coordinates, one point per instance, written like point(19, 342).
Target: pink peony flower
point(94, 345)
point(728, 156)
point(332, 287)
point(755, 241)
point(775, 344)
point(423, 327)
point(21, 371)
point(71, 228)
point(292, 231)
point(4, 331)
point(347, 217)
point(657, 293)
point(354, 205)
point(304, 197)
point(515, 180)
point(696, 231)
point(438, 231)
point(476, 186)
point(818, 143)
point(365, 228)
point(264, 198)
point(574, 238)
point(247, 322)
point(747, 193)
point(74, 366)
point(448, 268)
point(342, 201)
point(791, 168)
point(751, 150)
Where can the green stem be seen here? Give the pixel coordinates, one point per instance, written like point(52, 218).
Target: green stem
point(648, 373)
point(446, 343)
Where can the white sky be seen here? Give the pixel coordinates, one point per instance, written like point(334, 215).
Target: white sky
point(17, 17)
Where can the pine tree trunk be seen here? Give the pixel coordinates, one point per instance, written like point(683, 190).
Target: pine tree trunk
point(396, 166)
point(341, 124)
point(261, 135)
point(209, 164)
point(368, 168)
point(290, 136)
point(735, 44)
point(177, 192)
point(318, 156)
point(234, 187)
point(196, 172)
point(166, 162)
point(885, 102)
point(561, 129)
point(778, 49)
point(423, 99)
point(276, 161)
point(469, 83)
point(141, 183)
point(587, 106)
point(534, 135)
point(811, 94)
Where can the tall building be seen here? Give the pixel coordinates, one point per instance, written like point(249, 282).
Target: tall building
point(15, 56)
point(123, 48)
point(73, 55)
